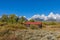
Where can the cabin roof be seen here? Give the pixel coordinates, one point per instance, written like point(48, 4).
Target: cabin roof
point(37, 23)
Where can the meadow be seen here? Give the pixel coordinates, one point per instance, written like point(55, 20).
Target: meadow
point(11, 28)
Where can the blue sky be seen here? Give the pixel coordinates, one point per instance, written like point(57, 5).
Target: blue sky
point(29, 8)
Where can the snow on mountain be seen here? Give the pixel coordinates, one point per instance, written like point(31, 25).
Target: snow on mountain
point(43, 17)
point(50, 17)
point(38, 17)
point(57, 17)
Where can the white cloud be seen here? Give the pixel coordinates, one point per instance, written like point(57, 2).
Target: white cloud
point(23, 16)
point(51, 16)
point(36, 16)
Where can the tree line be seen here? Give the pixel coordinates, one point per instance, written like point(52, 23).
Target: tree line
point(12, 18)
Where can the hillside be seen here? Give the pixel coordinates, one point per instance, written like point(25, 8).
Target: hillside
point(13, 28)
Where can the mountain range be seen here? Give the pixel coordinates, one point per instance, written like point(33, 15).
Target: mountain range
point(50, 17)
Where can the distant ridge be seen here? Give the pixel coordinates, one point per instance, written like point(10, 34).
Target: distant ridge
point(50, 17)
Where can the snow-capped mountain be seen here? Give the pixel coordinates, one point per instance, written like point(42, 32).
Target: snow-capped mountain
point(38, 17)
point(50, 17)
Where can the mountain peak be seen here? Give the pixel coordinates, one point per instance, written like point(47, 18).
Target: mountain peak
point(51, 17)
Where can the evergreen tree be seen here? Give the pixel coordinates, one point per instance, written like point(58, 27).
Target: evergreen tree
point(13, 18)
point(22, 19)
point(4, 18)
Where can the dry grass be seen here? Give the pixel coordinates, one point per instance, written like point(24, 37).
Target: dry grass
point(7, 34)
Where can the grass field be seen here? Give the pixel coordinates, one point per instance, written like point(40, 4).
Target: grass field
point(19, 31)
